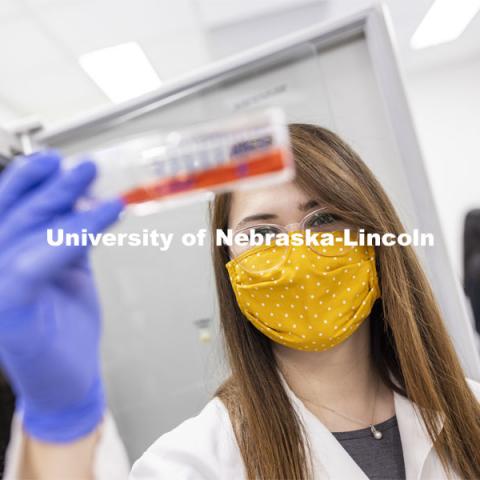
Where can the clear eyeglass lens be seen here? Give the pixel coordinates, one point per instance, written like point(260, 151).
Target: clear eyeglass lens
point(321, 221)
point(324, 222)
point(254, 237)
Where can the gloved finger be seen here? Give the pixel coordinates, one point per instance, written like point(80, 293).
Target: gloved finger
point(25, 174)
point(41, 261)
point(56, 197)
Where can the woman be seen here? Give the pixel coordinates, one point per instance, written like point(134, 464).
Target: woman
point(341, 366)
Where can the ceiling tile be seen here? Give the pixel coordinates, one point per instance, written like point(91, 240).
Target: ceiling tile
point(37, 4)
point(174, 55)
point(86, 26)
point(10, 9)
point(24, 45)
point(217, 13)
point(54, 94)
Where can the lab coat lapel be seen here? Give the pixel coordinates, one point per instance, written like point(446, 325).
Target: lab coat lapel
point(330, 459)
point(416, 443)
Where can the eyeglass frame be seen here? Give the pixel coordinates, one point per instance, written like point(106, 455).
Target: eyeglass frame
point(282, 228)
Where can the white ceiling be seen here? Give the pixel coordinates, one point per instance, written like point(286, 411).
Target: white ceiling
point(41, 40)
point(406, 16)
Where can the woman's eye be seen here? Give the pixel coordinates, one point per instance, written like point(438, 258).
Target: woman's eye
point(321, 220)
point(264, 230)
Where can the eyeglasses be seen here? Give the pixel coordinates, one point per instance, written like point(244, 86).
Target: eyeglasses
point(317, 222)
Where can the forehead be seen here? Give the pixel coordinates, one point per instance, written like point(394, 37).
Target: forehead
point(281, 200)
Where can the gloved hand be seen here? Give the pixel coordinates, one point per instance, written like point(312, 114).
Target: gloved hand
point(49, 313)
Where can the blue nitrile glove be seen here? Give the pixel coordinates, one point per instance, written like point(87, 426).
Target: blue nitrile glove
point(49, 313)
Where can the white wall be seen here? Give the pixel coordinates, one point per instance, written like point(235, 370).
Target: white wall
point(445, 103)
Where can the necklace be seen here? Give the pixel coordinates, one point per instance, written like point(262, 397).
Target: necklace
point(377, 434)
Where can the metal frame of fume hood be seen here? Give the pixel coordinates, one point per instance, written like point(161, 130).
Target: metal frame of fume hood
point(9, 147)
point(374, 24)
point(322, 35)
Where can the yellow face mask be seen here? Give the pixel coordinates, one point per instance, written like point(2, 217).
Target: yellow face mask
point(303, 297)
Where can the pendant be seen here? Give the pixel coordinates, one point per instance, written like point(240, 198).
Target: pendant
point(377, 434)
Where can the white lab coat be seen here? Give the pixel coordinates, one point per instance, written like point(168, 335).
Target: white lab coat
point(204, 448)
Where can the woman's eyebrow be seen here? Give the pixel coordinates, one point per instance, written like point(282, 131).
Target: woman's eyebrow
point(258, 216)
point(307, 205)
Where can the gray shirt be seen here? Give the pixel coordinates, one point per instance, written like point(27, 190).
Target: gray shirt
point(379, 459)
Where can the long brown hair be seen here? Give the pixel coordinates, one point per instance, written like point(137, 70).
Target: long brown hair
point(408, 338)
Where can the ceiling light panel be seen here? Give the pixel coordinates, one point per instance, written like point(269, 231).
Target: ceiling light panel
point(122, 72)
point(445, 21)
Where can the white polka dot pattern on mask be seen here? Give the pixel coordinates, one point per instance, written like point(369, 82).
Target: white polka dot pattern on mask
point(327, 296)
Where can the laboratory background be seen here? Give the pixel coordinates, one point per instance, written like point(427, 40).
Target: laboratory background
point(398, 80)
